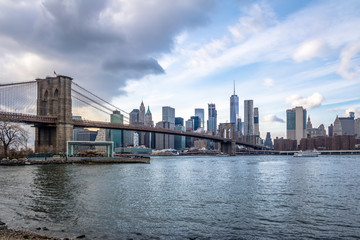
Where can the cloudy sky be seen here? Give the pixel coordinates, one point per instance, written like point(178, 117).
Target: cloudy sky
point(187, 53)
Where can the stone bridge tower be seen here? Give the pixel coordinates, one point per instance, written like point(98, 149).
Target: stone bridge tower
point(54, 99)
point(227, 130)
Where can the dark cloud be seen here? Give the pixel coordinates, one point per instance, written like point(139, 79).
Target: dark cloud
point(121, 39)
point(145, 66)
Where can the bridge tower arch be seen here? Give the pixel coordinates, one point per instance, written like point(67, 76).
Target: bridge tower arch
point(54, 99)
point(227, 130)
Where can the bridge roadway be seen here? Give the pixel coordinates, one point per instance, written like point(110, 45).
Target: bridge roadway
point(29, 119)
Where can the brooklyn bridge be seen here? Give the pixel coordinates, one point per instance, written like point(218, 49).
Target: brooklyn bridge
point(48, 105)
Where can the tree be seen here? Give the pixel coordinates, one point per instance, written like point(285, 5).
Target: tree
point(12, 135)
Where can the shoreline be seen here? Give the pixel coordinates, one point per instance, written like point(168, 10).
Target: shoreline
point(74, 160)
point(14, 234)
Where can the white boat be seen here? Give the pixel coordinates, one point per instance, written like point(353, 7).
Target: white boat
point(307, 153)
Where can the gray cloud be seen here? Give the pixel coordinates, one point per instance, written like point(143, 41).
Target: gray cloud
point(113, 40)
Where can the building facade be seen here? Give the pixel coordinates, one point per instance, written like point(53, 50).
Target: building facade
point(196, 122)
point(142, 113)
point(116, 135)
point(201, 114)
point(234, 108)
point(256, 122)
point(344, 125)
point(212, 122)
point(268, 142)
point(168, 115)
point(248, 117)
point(164, 141)
point(296, 123)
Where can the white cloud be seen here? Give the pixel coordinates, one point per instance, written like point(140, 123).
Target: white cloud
point(354, 110)
point(258, 17)
point(273, 118)
point(310, 49)
point(312, 101)
point(347, 68)
point(268, 82)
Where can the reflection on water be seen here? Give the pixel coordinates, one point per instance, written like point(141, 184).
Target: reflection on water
point(189, 197)
point(53, 193)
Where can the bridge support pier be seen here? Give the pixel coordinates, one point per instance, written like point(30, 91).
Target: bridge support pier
point(227, 130)
point(54, 99)
point(228, 148)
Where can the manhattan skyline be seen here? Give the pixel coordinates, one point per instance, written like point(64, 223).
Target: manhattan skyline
point(281, 54)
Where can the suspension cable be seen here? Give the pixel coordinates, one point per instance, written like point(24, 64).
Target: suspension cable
point(99, 97)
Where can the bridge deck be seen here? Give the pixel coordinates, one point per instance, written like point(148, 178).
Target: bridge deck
point(30, 119)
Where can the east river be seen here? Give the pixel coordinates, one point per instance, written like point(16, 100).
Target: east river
point(242, 197)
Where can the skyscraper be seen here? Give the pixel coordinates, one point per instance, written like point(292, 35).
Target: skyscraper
point(168, 115)
point(148, 118)
point(116, 135)
point(268, 142)
point(179, 121)
point(134, 116)
point(234, 108)
point(128, 136)
point(296, 124)
point(196, 122)
point(256, 122)
point(212, 122)
point(149, 137)
point(248, 117)
point(200, 113)
point(164, 141)
point(142, 113)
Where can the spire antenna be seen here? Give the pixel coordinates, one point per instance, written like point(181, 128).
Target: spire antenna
point(234, 87)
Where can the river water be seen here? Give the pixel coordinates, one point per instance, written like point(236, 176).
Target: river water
point(242, 197)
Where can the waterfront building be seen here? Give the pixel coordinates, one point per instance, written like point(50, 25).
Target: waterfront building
point(281, 144)
point(189, 127)
point(212, 122)
point(234, 108)
point(268, 142)
point(357, 128)
point(136, 139)
point(201, 114)
point(344, 125)
point(314, 132)
point(296, 123)
point(256, 122)
point(116, 135)
point(128, 136)
point(168, 115)
point(179, 141)
point(337, 142)
point(85, 135)
point(164, 141)
point(248, 117)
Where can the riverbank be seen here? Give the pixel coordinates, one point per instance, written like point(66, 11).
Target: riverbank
point(73, 160)
point(10, 234)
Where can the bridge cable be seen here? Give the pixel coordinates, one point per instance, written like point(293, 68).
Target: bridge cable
point(99, 98)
